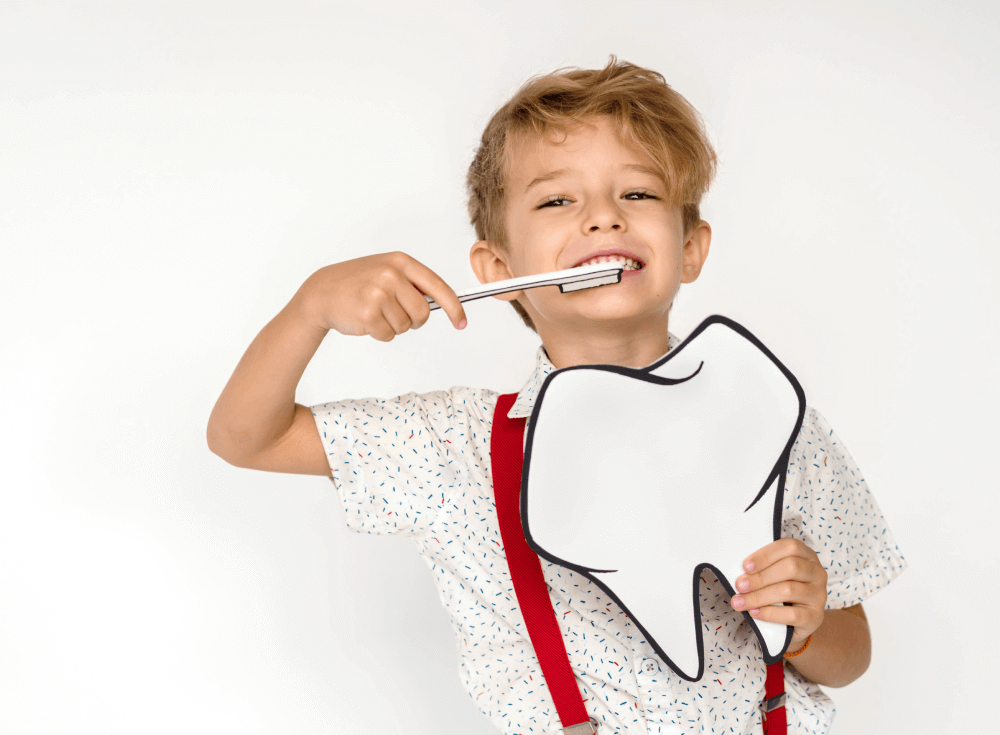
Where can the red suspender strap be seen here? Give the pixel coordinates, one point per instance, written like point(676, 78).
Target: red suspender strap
point(775, 720)
point(507, 458)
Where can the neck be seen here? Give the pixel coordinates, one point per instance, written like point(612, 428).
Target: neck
point(631, 349)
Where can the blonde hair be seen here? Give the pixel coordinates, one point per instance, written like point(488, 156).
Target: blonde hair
point(647, 114)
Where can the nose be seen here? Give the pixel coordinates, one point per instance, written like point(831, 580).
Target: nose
point(604, 215)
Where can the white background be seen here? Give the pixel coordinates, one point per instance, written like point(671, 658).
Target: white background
point(171, 173)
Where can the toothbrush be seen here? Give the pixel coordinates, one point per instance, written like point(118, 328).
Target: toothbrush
point(571, 279)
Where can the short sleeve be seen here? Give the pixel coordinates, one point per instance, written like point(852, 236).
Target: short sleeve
point(829, 507)
point(393, 460)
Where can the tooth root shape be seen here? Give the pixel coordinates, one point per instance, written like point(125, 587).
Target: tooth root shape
point(660, 472)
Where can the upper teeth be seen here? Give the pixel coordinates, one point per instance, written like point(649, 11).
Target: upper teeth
point(630, 265)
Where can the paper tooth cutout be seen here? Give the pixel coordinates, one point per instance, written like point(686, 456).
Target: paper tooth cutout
point(650, 475)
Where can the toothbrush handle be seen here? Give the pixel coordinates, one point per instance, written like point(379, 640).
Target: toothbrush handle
point(586, 276)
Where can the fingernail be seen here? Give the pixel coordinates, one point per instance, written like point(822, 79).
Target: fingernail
point(743, 584)
point(461, 324)
point(755, 612)
point(748, 565)
point(738, 601)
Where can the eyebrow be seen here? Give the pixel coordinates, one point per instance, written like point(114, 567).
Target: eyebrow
point(563, 171)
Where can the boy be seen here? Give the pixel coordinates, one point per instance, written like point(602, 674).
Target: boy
point(573, 165)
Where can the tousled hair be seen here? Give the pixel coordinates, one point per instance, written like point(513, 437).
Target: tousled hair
point(647, 114)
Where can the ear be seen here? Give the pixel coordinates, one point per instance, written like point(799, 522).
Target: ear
point(490, 265)
point(696, 247)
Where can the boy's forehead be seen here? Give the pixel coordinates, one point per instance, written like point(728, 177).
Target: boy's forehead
point(529, 146)
point(533, 155)
point(527, 158)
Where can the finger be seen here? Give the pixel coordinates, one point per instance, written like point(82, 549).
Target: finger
point(767, 555)
point(396, 316)
point(804, 619)
point(798, 593)
point(430, 283)
point(416, 306)
point(793, 568)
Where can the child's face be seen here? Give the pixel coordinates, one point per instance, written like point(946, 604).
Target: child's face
point(599, 203)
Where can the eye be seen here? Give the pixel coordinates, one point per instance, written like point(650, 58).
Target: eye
point(641, 193)
point(564, 198)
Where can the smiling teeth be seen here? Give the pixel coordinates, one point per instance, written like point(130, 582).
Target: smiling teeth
point(630, 265)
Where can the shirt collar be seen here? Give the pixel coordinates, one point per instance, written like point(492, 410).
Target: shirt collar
point(525, 402)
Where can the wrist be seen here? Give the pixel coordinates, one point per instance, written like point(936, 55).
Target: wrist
point(797, 646)
point(302, 309)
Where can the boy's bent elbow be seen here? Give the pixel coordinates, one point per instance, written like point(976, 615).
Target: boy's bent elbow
point(860, 656)
point(863, 657)
point(213, 442)
point(863, 651)
point(225, 447)
point(217, 447)
point(299, 450)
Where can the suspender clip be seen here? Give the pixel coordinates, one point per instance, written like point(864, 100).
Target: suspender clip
point(773, 703)
point(582, 728)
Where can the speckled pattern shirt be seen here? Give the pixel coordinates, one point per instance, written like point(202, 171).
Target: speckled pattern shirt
point(418, 465)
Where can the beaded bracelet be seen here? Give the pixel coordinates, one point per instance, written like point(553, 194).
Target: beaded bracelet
point(790, 655)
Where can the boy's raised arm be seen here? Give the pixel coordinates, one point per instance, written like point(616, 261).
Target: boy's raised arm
point(256, 422)
point(257, 413)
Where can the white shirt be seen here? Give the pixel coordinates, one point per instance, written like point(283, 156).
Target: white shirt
point(418, 465)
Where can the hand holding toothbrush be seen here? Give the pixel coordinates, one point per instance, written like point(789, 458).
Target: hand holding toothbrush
point(570, 279)
point(381, 294)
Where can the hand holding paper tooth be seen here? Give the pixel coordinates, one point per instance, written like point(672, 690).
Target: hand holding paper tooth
point(785, 570)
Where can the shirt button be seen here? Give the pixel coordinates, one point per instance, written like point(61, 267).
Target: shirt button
point(650, 666)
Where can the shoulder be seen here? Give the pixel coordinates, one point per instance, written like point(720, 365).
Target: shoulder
point(816, 446)
point(456, 397)
point(455, 405)
point(814, 427)
point(821, 478)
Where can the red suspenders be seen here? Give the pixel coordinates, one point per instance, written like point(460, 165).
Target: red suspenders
point(507, 458)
